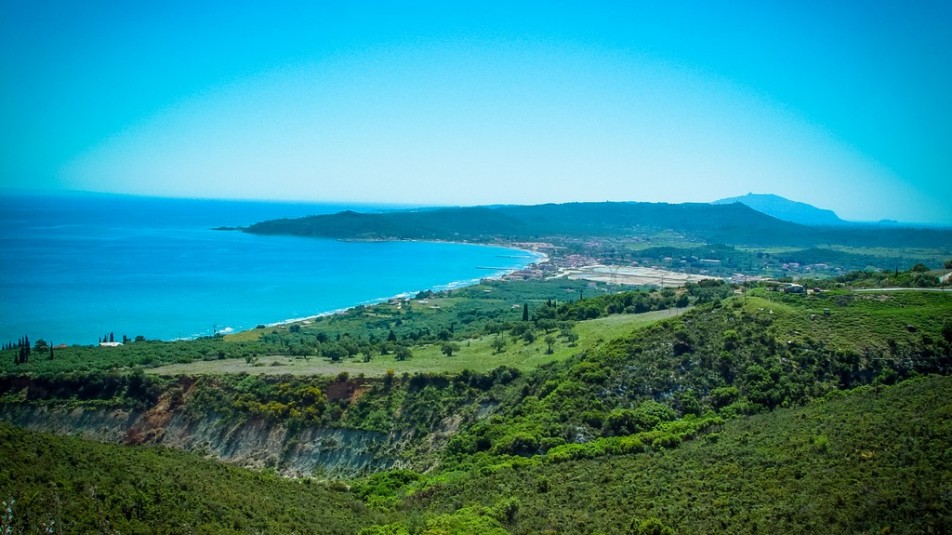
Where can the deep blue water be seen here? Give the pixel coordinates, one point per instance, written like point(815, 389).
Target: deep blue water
point(76, 267)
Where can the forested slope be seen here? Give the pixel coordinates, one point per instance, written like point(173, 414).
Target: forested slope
point(734, 224)
point(875, 460)
point(66, 485)
point(870, 461)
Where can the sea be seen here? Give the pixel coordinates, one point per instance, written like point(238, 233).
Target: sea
point(76, 267)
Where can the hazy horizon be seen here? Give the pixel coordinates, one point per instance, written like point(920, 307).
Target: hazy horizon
point(841, 106)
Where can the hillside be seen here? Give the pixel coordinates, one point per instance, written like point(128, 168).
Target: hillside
point(734, 224)
point(524, 222)
point(599, 414)
point(56, 484)
point(874, 460)
point(787, 210)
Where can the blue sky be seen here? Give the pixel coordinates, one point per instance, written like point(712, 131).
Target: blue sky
point(843, 106)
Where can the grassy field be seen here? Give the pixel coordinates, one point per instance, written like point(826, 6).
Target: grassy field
point(475, 354)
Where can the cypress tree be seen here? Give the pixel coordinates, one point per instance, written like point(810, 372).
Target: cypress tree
point(525, 312)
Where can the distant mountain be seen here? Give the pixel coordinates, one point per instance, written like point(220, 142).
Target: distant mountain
point(787, 210)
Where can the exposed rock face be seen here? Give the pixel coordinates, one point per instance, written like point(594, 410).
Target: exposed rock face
point(252, 442)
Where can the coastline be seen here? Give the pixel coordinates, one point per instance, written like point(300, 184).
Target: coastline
point(536, 257)
point(161, 272)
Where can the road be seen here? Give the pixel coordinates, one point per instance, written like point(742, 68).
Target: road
point(899, 289)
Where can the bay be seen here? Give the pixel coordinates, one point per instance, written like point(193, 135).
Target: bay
point(75, 268)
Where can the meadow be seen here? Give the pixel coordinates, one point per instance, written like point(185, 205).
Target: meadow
point(476, 354)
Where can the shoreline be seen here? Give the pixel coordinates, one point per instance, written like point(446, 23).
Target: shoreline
point(536, 257)
point(248, 324)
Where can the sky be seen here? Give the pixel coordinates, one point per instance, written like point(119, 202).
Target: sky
point(844, 105)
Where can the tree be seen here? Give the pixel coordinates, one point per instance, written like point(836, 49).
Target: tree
point(498, 344)
point(525, 312)
point(653, 526)
point(449, 348)
point(682, 301)
point(368, 352)
point(23, 351)
point(403, 353)
point(571, 337)
point(549, 342)
point(392, 336)
point(948, 264)
point(334, 351)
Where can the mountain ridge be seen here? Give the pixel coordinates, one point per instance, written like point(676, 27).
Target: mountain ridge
point(735, 224)
point(786, 209)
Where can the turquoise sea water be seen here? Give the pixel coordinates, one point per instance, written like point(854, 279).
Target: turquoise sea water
point(75, 268)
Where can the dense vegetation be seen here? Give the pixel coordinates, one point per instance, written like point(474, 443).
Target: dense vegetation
point(874, 460)
point(65, 485)
point(741, 357)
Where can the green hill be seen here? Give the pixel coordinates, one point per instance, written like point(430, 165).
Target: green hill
point(734, 224)
point(875, 460)
point(66, 485)
point(872, 461)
